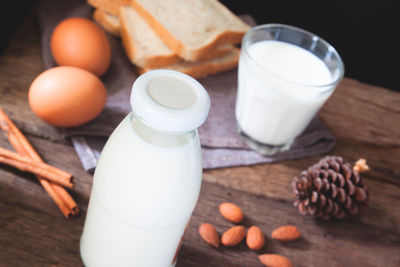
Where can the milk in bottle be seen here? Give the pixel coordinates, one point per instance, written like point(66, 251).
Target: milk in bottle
point(148, 177)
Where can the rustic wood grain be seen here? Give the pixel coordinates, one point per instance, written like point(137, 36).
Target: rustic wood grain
point(355, 242)
point(362, 112)
point(32, 230)
point(20, 63)
point(365, 119)
point(31, 225)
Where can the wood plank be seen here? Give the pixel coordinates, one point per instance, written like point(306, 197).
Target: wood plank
point(33, 232)
point(363, 112)
point(352, 242)
point(273, 180)
point(20, 63)
point(32, 227)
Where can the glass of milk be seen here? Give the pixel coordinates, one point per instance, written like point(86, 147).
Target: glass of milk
point(285, 75)
point(148, 177)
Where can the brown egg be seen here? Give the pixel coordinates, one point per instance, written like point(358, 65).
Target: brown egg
point(81, 43)
point(67, 96)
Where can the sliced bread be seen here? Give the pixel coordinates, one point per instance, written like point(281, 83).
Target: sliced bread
point(109, 22)
point(142, 45)
point(204, 68)
point(109, 6)
point(145, 48)
point(192, 28)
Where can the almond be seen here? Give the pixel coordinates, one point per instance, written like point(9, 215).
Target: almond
point(255, 238)
point(231, 212)
point(286, 233)
point(275, 260)
point(233, 236)
point(209, 234)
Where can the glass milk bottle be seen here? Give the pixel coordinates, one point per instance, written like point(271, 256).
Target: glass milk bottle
point(148, 177)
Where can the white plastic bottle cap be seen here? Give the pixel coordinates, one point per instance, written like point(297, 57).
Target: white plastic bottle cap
point(170, 101)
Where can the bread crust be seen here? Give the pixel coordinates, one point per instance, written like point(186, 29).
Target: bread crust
point(100, 16)
point(205, 68)
point(111, 7)
point(143, 62)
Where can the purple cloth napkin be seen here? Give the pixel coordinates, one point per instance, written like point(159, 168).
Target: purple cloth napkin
point(220, 142)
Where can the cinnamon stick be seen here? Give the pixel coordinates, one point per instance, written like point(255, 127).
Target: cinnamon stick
point(40, 168)
point(60, 196)
point(66, 198)
point(48, 186)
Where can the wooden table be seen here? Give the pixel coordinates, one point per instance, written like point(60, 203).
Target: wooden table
point(365, 119)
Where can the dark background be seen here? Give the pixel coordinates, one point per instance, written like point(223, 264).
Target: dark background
point(365, 33)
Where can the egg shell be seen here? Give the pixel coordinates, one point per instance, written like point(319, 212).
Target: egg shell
point(81, 43)
point(67, 96)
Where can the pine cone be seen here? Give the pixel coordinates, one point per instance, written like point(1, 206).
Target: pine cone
point(330, 188)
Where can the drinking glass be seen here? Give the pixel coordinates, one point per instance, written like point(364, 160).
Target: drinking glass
point(285, 76)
